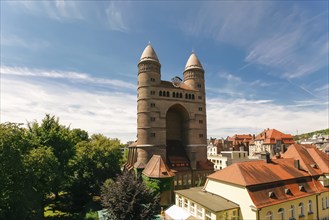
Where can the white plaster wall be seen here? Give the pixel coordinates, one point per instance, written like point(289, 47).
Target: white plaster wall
point(236, 194)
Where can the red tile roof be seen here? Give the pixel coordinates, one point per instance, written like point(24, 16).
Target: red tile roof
point(270, 136)
point(258, 172)
point(311, 159)
point(156, 168)
point(267, 182)
point(260, 194)
point(240, 137)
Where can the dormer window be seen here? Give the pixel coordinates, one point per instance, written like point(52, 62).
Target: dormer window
point(287, 191)
point(301, 188)
point(271, 195)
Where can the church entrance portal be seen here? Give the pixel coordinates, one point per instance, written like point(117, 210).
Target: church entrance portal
point(176, 136)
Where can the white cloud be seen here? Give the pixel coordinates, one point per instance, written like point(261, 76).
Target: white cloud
point(325, 87)
point(232, 22)
point(113, 114)
point(227, 117)
point(289, 39)
point(61, 10)
point(82, 77)
point(14, 40)
point(229, 77)
point(115, 17)
point(297, 48)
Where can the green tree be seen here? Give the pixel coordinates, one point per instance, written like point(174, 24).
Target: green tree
point(43, 168)
point(14, 189)
point(94, 162)
point(50, 133)
point(129, 198)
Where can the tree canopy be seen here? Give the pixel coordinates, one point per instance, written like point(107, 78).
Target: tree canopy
point(129, 198)
point(47, 158)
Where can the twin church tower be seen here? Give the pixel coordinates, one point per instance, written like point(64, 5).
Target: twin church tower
point(171, 120)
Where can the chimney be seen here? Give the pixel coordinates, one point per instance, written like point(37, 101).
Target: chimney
point(277, 155)
point(266, 156)
point(297, 164)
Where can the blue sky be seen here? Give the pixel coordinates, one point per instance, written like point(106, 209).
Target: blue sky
point(266, 62)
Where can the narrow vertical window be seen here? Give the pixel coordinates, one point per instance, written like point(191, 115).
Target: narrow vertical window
point(310, 208)
point(269, 215)
point(281, 213)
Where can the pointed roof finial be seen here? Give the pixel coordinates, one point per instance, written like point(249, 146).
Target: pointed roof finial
point(193, 62)
point(149, 54)
point(149, 43)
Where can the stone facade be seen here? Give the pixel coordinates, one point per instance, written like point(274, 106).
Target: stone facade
point(171, 116)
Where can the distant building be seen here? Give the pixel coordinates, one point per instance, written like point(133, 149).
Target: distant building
point(282, 188)
point(240, 142)
point(215, 146)
point(270, 140)
point(320, 141)
point(226, 158)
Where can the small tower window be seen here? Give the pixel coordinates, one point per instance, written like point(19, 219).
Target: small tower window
point(180, 95)
point(189, 96)
point(152, 80)
point(168, 94)
point(152, 118)
point(199, 85)
point(152, 92)
point(152, 105)
point(160, 93)
point(200, 109)
point(193, 96)
point(200, 121)
point(174, 94)
point(152, 134)
point(200, 135)
point(186, 96)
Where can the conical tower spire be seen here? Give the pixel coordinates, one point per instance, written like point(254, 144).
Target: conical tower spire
point(149, 54)
point(193, 62)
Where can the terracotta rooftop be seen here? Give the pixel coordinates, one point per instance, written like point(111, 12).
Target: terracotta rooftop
point(156, 168)
point(270, 136)
point(311, 159)
point(270, 183)
point(240, 137)
point(284, 191)
point(259, 172)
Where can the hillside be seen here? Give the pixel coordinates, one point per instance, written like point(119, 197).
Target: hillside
point(310, 134)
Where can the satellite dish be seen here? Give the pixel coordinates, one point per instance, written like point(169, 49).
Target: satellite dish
point(176, 81)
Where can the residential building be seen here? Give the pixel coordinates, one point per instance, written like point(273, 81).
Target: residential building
point(240, 142)
point(280, 188)
point(203, 205)
point(273, 189)
point(320, 141)
point(215, 146)
point(312, 160)
point(227, 158)
point(270, 140)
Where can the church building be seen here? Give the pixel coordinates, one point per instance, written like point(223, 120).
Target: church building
point(171, 121)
